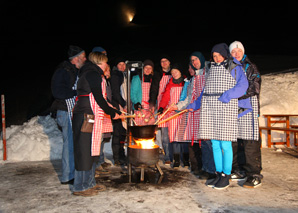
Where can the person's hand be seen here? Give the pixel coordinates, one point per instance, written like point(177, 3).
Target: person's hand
point(160, 110)
point(190, 110)
point(117, 116)
point(174, 107)
point(138, 106)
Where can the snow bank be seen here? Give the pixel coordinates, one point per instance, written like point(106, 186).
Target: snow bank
point(40, 139)
point(36, 140)
point(279, 95)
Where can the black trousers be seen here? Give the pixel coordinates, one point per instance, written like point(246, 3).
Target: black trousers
point(195, 156)
point(119, 134)
point(247, 156)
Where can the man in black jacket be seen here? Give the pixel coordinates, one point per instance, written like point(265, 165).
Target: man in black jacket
point(118, 82)
point(64, 92)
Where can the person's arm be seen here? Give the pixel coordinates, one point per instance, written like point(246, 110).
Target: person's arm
point(136, 90)
point(239, 89)
point(185, 101)
point(94, 79)
point(61, 88)
point(197, 103)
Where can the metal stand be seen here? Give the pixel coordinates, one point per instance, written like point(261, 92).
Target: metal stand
point(142, 167)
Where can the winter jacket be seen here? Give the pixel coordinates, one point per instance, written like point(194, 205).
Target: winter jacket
point(90, 81)
point(254, 79)
point(63, 80)
point(117, 78)
point(136, 93)
point(166, 94)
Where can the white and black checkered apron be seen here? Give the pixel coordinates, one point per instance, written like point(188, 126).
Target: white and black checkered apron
point(188, 130)
point(162, 86)
point(218, 121)
point(249, 124)
point(174, 123)
point(70, 102)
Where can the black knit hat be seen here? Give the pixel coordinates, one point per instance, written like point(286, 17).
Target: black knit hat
point(74, 51)
point(178, 66)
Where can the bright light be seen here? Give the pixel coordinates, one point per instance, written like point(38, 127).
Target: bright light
point(146, 143)
point(128, 12)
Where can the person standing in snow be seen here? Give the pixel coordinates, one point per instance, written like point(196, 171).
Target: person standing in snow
point(119, 85)
point(91, 89)
point(201, 158)
point(140, 89)
point(159, 83)
point(248, 146)
point(64, 92)
point(171, 96)
point(225, 83)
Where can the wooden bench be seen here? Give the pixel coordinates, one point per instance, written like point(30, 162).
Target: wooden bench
point(286, 130)
point(279, 119)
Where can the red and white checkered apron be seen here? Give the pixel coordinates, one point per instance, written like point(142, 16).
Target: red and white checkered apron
point(162, 86)
point(174, 123)
point(99, 118)
point(145, 99)
point(189, 127)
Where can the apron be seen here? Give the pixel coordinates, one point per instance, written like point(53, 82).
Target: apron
point(188, 130)
point(145, 100)
point(174, 123)
point(70, 102)
point(100, 118)
point(218, 121)
point(249, 124)
point(162, 86)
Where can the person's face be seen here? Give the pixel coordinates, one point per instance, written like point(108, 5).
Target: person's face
point(218, 58)
point(80, 60)
point(237, 53)
point(121, 66)
point(103, 66)
point(165, 64)
point(107, 72)
point(176, 73)
point(195, 61)
point(148, 70)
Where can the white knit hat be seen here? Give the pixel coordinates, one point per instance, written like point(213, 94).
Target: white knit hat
point(236, 44)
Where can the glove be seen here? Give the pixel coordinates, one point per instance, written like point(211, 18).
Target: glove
point(160, 110)
point(138, 106)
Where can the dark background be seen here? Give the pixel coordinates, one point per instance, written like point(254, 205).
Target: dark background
point(35, 38)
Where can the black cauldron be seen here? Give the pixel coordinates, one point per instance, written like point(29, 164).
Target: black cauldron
point(144, 132)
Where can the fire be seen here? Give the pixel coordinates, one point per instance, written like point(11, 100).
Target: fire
point(146, 143)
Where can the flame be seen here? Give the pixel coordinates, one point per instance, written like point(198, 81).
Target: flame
point(146, 143)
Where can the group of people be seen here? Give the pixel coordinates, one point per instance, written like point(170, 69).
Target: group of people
point(216, 134)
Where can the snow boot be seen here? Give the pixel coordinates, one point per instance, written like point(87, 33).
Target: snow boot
point(212, 182)
point(186, 160)
point(223, 183)
point(176, 163)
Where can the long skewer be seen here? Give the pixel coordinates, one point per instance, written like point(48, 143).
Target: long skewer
point(173, 116)
point(163, 114)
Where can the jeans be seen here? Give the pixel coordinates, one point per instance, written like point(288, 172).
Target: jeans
point(68, 166)
point(84, 180)
point(223, 156)
point(207, 156)
point(167, 146)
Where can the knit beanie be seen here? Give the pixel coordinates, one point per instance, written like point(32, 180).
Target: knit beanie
point(99, 49)
point(74, 51)
point(222, 49)
point(165, 56)
point(236, 44)
point(201, 58)
point(148, 62)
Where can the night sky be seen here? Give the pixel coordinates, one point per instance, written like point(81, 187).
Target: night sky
point(35, 36)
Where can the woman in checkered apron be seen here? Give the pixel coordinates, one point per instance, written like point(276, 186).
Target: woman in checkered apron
point(248, 146)
point(169, 96)
point(140, 89)
point(91, 100)
point(225, 83)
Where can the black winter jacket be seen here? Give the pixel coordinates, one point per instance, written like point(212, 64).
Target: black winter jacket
point(117, 78)
point(63, 80)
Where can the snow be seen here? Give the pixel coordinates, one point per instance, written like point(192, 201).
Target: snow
point(40, 139)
